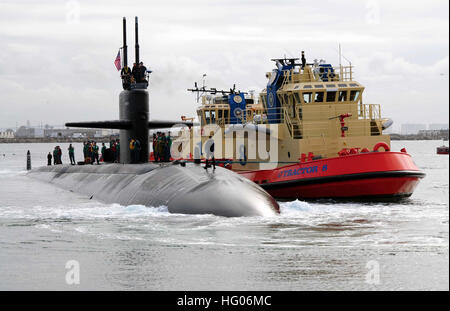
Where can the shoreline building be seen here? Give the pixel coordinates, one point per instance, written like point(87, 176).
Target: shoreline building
point(50, 132)
point(438, 126)
point(8, 133)
point(412, 129)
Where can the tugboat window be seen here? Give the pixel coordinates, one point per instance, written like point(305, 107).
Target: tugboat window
point(331, 96)
point(354, 95)
point(280, 98)
point(307, 97)
point(208, 121)
point(343, 96)
point(213, 116)
point(297, 98)
point(286, 99)
point(319, 97)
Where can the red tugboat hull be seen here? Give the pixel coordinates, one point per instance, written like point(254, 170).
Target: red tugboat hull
point(373, 175)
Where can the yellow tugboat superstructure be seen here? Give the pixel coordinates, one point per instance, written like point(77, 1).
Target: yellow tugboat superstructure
point(307, 120)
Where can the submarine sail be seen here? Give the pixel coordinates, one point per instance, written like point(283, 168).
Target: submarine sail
point(133, 120)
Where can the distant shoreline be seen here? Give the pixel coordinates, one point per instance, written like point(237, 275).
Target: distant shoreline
point(107, 139)
point(418, 137)
point(52, 140)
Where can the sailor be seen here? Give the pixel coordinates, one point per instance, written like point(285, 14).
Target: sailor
point(71, 154)
point(137, 151)
point(113, 149)
point(91, 153)
point(55, 156)
point(117, 153)
point(209, 150)
point(161, 141)
point(169, 145)
point(154, 143)
point(126, 77)
point(132, 147)
point(95, 152)
point(303, 60)
point(85, 151)
point(142, 71)
point(165, 150)
point(103, 152)
point(88, 152)
point(49, 158)
point(59, 152)
point(135, 73)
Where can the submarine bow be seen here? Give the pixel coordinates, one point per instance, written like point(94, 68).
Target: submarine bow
point(184, 189)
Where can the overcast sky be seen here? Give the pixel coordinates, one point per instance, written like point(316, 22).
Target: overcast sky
point(56, 57)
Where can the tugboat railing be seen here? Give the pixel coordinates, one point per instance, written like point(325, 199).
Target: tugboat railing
point(288, 122)
point(371, 111)
point(313, 74)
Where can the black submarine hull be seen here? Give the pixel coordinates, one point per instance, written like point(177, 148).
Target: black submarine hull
point(184, 189)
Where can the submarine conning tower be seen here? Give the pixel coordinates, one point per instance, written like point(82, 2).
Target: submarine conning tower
point(133, 106)
point(133, 120)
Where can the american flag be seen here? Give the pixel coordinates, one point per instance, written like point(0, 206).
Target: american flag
point(117, 62)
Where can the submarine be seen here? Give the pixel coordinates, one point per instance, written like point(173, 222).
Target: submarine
point(183, 187)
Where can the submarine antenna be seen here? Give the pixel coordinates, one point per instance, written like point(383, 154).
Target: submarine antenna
point(125, 54)
point(136, 46)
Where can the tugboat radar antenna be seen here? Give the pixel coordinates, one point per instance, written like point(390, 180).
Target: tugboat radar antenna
point(203, 90)
point(136, 46)
point(125, 54)
point(340, 57)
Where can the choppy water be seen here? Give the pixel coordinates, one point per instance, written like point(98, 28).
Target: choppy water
point(310, 246)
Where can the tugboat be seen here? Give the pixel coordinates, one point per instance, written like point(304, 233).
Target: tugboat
point(307, 135)
point(442, 149)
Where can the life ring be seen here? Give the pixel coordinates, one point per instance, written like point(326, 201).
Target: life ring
point(381, 144)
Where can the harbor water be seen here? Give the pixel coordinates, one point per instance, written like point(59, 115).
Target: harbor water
point(321, 245)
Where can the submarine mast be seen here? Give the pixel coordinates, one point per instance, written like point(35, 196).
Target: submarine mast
point(124, 48)
point(136, 45)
